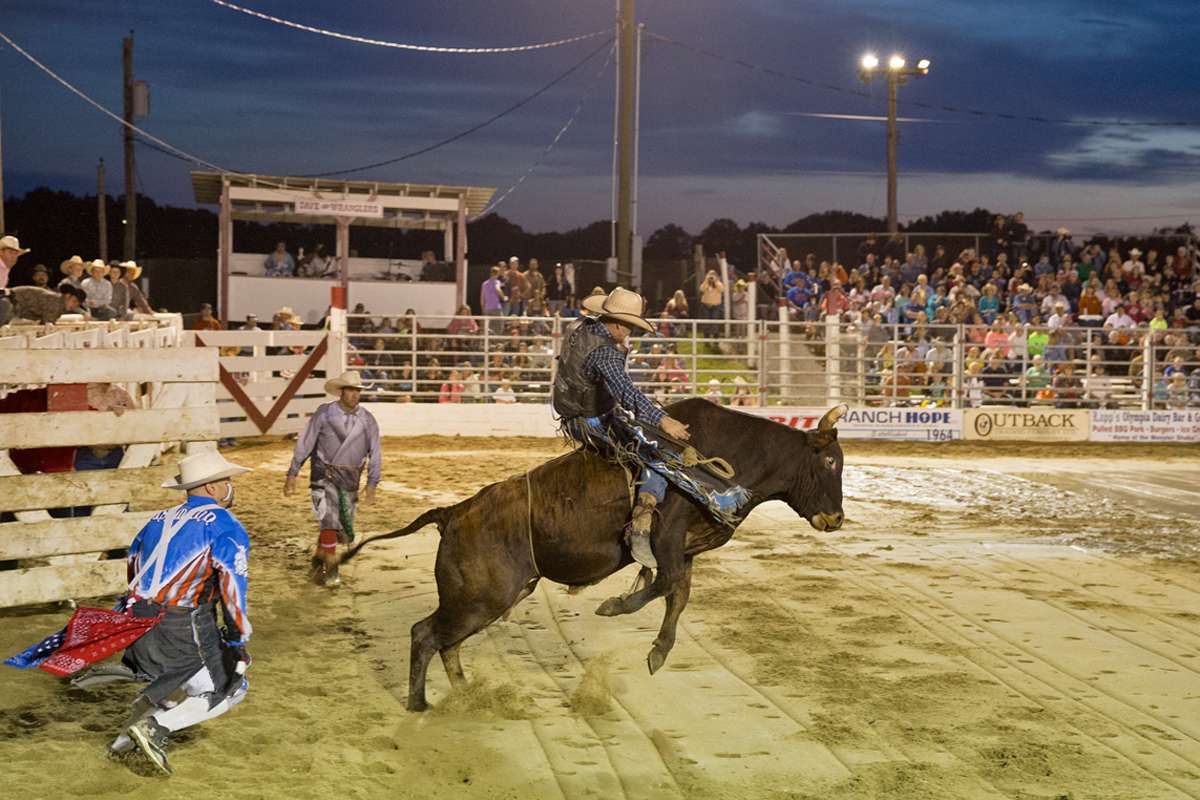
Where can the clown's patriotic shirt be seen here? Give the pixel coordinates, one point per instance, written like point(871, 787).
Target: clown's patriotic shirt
point(205, 559)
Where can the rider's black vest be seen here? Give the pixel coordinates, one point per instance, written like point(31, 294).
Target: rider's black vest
point(574, 394)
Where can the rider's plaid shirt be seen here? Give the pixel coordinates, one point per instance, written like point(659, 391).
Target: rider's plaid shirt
point(608, 364)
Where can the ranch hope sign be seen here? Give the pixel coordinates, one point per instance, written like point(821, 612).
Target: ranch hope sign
point(923, 424)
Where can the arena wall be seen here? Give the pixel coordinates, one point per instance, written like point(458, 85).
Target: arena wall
point(994, 423)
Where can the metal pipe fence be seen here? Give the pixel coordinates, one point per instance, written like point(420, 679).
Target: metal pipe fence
point(804, 363)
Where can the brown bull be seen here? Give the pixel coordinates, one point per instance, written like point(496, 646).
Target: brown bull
point(563, 521)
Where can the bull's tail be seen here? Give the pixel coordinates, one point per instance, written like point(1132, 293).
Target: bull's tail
point(433, 515)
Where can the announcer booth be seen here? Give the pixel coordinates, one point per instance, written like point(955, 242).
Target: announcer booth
point(384, 284)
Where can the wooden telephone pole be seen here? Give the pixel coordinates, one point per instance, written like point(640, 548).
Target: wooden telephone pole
point(130, 187)
point(102, 211)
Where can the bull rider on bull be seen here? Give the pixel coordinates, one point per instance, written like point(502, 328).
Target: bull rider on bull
point(600, 408)
point(340, 438)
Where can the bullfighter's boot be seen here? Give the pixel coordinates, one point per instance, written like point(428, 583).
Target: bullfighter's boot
point(639, 530)
point(324, 563)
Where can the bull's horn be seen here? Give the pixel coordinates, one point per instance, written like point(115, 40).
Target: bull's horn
point(832, 416)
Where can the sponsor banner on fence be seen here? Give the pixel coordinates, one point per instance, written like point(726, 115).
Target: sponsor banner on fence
point(1146, 426)
point(1027, 424)
point(923, 424)
point(338, 208)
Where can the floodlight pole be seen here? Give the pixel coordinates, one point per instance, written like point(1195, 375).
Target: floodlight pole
point(893, 81)
point(627, 34)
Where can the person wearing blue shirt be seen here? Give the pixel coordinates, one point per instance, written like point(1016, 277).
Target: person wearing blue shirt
point(183, 564)
point(280, 264)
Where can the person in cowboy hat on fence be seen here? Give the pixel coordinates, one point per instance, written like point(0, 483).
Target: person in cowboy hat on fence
point(340, 438)
point(599, 406)
point(183, 563)
point(72, 268)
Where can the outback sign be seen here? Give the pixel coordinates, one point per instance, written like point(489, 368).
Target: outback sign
point(1027, 424)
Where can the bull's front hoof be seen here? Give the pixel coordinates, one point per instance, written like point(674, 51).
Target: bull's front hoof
point(612, 607)
point(655, 659)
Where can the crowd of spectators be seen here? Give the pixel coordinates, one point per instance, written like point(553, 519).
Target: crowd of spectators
point(1070, 325)
point(94, 290)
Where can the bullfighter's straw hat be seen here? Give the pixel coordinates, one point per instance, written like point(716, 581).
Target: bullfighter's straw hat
point(66, 265)
point(622, 305)
point(347, 380)
point(201, 468)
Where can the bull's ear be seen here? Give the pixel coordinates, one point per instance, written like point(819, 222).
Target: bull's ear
point(819, 440)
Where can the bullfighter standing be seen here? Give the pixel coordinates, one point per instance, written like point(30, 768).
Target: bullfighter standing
point(340, 438)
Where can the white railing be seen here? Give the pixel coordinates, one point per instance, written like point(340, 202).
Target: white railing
point(512, 359)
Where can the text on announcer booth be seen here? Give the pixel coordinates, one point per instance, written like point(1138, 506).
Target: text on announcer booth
point(921, 424)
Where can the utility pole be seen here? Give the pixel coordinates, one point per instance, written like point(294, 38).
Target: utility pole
point(626, 32)
point(102, 211)
point(130, 189)
point(2, 228)
point(893, 83)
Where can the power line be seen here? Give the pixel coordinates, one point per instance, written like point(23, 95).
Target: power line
point(546, 153)
point(472, 129)
point(973, 112)
point(403, 46)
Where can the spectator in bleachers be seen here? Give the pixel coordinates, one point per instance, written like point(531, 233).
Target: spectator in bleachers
point(742, 396)
point(40, 305)
point(712, 297)
point(492, 297)
point(452, 388)
point(99, 291)
point(72, 268)
point(518, 288)
point(130, 272)
point(41, 277)
point(677, 306)
point(504, 393)
point(280, 264)
point(316, 264)
point(558, 289)
point(537, 289)
point(206, 321)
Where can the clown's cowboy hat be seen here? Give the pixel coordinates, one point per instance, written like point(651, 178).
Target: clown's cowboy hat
point(201, 468)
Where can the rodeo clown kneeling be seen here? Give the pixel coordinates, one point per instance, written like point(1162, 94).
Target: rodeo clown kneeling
point(181, 564)
point(340, 437)
point(600, 407)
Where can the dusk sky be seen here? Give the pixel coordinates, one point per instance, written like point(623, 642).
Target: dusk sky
point(718, 140)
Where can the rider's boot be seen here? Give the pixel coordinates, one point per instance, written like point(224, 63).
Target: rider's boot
point(639, 530)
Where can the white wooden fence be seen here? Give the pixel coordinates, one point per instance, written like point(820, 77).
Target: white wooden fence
point(270, 381)
point(174, 390)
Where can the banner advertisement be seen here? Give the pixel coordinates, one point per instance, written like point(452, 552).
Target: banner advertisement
point(338, 208)
point(921, 424)
point(1026, 424)
point(1146, 426)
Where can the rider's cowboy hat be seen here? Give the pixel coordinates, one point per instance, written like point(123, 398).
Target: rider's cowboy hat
point(132, 269)
point(201, 468)
point(66, 265)
point(11, 243)
point(621, 305)
point(347, 380)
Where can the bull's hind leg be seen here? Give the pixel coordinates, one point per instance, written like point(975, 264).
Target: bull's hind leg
point(458, 618)
point(676, 602)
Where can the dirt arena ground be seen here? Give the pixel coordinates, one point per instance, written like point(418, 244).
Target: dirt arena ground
point(999, 621)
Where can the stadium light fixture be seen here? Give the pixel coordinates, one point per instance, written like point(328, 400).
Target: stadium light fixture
point(897, 73)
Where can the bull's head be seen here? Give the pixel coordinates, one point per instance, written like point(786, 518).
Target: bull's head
point(817, 492)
